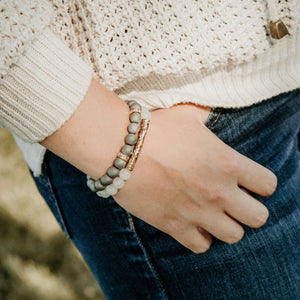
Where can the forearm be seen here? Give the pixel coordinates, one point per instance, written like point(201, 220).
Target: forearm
point(92, 137)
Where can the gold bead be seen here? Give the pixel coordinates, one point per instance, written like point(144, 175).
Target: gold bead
point(123, 156)
point(278, 29)
point(136, 109)
point(138, 146)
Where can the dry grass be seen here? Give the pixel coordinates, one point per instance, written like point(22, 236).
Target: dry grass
point(36, 260)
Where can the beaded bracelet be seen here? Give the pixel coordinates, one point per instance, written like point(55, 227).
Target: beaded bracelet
point(109, 183)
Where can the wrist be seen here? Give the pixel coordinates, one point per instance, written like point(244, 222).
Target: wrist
point(95, 132)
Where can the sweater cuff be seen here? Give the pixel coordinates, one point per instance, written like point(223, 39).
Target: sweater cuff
point(43, 89)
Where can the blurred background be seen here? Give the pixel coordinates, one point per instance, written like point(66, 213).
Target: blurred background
point(37, 261)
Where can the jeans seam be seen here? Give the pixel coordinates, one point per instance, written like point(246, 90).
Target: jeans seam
point(59, 212)
point(55, 200)
point(147, 258)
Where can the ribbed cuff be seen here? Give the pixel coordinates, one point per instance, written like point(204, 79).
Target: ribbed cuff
point(43, 89)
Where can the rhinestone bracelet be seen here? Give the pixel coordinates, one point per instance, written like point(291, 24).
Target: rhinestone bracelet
point(114, 178)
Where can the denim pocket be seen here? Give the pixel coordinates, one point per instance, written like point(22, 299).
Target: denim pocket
point(213, 117)
point(45, 187)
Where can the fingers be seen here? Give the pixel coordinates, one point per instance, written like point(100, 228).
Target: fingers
point(255, 177)
point(222, 227)
point(246, 209)
point(242, 207)
point(194, 239)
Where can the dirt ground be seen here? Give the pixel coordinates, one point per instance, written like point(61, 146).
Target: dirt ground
point(37, 261)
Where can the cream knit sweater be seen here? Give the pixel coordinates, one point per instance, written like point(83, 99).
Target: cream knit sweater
point(161, 52)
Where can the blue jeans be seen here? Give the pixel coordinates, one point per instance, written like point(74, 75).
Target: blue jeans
point(132, 260)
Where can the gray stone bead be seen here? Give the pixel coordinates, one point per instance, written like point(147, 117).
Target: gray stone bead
point(135, 105)
point(113, 172)
point(127, 149)
point(99, 186)
point(131, 139)
point(119, 163)
point(106, 180)
point(91, 185)
point(135, 117)
point(133, 128)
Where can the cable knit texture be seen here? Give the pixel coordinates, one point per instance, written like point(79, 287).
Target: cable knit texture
point(20, 22)
point(160, 52)
point(125, 40)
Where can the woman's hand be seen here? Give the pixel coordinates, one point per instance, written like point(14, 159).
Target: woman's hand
point(186, 182)
point(185, 178)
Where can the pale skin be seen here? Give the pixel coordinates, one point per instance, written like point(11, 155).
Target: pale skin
point(186, 182)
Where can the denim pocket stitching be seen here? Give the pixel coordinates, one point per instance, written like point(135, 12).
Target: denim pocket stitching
point(58, 213)
point(213, 117)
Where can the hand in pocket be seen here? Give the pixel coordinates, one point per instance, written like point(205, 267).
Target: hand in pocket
point(187, 182)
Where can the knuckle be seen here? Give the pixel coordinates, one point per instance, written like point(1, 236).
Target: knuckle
point(217, 195)
point(236, 237)
point(171, 225)
point(232, 165)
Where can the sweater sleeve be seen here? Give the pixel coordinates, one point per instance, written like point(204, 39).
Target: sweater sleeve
point(41, 80)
